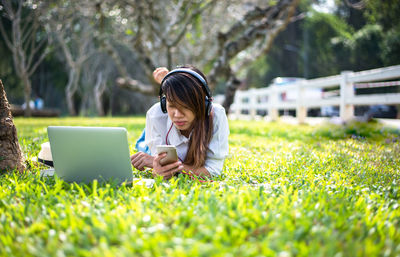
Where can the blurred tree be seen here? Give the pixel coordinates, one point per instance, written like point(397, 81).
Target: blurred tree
point(391, 46)
point(172, 32)
point(376, 38)
point(153, 30)
point(351, 12)
point(355, 35)
point(386, 14)
point(70, 24)
point(7, 74)
point(325, 32)
point(127, 39)
point(309, 47)
point(159, 33)
point(27, 42)
point(252, 36)
point(96, 73)
point(366, 48)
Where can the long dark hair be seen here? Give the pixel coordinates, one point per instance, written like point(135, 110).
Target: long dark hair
point(186, 91)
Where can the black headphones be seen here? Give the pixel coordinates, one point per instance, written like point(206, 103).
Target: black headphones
point(163, 98)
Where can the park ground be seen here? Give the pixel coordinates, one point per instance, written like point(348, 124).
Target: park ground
point(287, 190)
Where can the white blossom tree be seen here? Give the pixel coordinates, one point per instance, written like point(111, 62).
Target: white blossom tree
point(220, 37)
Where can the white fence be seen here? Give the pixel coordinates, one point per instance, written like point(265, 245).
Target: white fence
point(269, 99)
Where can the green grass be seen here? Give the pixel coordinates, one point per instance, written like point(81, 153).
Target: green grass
point(286, 191)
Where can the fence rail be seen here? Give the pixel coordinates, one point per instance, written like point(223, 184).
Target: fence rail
point(270, 101)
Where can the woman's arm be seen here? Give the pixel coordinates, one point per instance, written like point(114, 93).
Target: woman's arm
point(201, 172)
point(141, 160)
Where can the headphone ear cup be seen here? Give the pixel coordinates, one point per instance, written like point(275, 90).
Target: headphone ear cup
point(208, 105)
point(163, 104)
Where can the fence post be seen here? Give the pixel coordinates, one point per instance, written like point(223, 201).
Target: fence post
point(346, 93)
point(252, 103)
point(273, 102)
point(301, 110)
point(238, 103)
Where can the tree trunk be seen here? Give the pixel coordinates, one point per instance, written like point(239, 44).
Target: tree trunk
point(27, 93)
point(70, 90)
point(98, 93)
point(10, 152)
point(230, 92)
point(99, 104)
point(70, 103)
point(169, 58)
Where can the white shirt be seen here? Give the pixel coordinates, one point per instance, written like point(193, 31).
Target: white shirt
point(158, 124)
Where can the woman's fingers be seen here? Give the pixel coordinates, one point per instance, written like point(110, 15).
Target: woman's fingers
point(156, 161)
point(133, 156)
point(168, 172)
point(159, 74)
point(141, 165)
point(171, 167)
point(149, 161)
point(141, 160)
point(138, 160)
point(172, 172)
point(138, 164)
point(136, 156)
point(135, 162)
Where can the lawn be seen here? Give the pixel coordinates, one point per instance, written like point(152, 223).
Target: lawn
point(287, 190)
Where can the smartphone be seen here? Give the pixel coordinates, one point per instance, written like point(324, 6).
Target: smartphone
point(171, 157)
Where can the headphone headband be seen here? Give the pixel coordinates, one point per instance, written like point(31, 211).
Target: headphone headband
point(191, 72)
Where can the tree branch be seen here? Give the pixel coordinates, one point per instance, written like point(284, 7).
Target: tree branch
point(65, 49)
point(359, 5)
point(115, 57)
point(175, 17)
point(34, 50)
point(83, 55)
point(263, 26)
point(41, 58)
point(136, 85)
point(238, 28)
point(26, 29)
point(6, 38)
point(188, 21)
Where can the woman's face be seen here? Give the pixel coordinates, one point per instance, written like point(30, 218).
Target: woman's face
point(181, 116)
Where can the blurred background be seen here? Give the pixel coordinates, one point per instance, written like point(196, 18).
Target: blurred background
point(95, 58)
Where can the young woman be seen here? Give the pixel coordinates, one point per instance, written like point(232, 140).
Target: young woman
point(186, 118)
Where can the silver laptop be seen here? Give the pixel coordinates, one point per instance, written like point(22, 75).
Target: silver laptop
point(82, 154)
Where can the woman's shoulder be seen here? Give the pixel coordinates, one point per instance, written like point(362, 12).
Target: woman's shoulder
point(219, 118)
point(219, 111)
point(156, 112)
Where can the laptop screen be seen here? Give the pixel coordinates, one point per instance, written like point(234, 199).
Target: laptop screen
point(82, 154)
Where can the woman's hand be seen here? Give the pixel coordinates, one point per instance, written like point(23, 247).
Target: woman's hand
point(166, 171)
point(159, 74)
point(141, 160)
